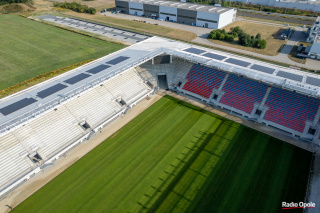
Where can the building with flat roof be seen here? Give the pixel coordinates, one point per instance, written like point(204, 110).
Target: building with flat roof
point(314, 31)
point(315, 48)
point(180, 12)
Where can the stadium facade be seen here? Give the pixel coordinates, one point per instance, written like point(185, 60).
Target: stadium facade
point(40, 124)
point(180, 12)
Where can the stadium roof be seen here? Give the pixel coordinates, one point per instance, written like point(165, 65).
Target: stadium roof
point(184, 5)
point(30, 103)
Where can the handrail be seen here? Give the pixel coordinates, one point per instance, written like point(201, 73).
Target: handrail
point(11, 124)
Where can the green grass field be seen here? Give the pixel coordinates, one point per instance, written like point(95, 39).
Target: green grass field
point(175, 157)
point(29, 48)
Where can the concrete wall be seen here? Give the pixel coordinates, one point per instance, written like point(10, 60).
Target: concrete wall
point(169, 12)
point(187, 16)
point(226, 18)
point(123, 6)
point(150, 10)
point(210, 19)
point(275, 3)
point(135, 8)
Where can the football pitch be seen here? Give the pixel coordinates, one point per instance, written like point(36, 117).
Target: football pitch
point(29, 48)
point(175, 157)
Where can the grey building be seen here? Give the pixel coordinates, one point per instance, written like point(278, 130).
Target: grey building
point(180, 12)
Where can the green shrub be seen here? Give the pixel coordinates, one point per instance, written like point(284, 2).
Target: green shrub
point(76, 7)
point(244, 39)
point(261, 44)
point(258, 36)
point(235, 35)
point(230, 38)
point(221, 36)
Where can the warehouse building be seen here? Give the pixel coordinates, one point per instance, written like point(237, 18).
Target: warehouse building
point(180, 12)
point(315, 48)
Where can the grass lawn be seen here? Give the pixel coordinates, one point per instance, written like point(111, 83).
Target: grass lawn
point(269, 33)
point(29, 48)
point(175, 157)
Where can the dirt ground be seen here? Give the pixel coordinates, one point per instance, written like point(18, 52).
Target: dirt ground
point(269, 33)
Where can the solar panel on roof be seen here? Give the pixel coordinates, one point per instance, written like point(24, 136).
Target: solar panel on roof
point(238, 62)
point(194, 50)
point(214, 56)
point(77, 78)
point(117, 60)
point(51, 90)
point(291, 76)
point(98, 69)
point(263, 69)
point(17, 105)
point(313, 81)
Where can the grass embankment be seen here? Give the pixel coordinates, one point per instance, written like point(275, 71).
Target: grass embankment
point(175, 157)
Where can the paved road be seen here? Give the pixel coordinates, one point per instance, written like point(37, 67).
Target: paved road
point(295, 38)
point(203, 33)
point(275, 18)
point(277, 14)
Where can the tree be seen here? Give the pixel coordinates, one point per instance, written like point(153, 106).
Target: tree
point(224, 3)
point(230, 38)
point(213, 34)
point(261, 44)
point(246, 40)
point(220, 36)
point(258, 36)
point(235, 35)
point(236, 29)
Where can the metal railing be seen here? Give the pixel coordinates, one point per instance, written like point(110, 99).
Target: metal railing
point(15, 122)
point(252, 74)
point(273, 80)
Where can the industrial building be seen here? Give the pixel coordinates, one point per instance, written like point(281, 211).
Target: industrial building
point(315, 48)
point(314, 31)
point(180, 12)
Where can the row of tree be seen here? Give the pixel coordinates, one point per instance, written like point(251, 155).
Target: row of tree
point(76, 7)
point(4, 2)
point(244, 38)
point(222, 35)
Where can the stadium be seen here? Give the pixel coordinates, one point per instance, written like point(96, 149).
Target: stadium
point(192, 146)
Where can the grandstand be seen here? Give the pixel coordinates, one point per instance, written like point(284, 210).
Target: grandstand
point(242, 93)
point(201, 80)
point(40, 124)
